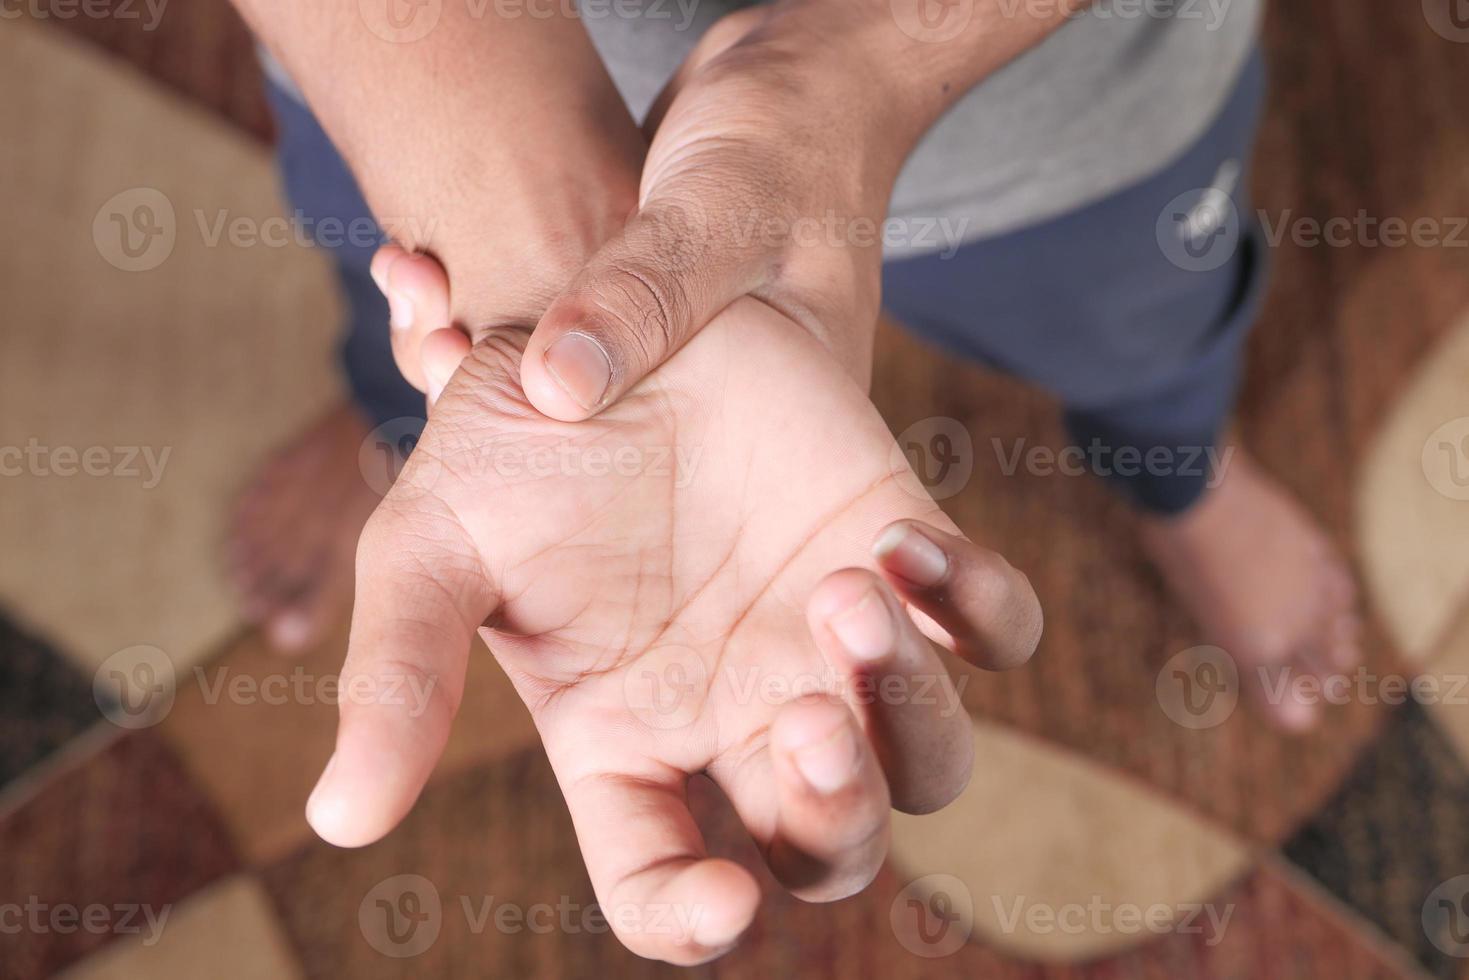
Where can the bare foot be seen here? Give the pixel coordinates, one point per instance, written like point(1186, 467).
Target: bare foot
point(1265, 584)
point(294, 535)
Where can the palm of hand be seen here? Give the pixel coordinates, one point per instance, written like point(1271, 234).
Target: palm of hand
point(650, 565)
point(641, 576)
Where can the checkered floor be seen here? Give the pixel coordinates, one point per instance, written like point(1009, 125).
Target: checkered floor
point(172, 843)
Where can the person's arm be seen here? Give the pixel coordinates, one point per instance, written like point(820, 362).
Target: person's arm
point(498, 143)
point(774, 153)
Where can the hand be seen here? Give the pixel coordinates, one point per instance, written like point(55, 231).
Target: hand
point(768, 174)
point(680, 585)
point(773, 156)
point(774, 152)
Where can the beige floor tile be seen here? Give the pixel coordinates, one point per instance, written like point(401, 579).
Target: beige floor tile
point(210, 350)
point(228, 931)
point(1412, 514)
point(1442, 686)
point(1043, 833)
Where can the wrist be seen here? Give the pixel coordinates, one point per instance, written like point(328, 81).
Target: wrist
point(854, 79)
point(511, 222)
point(509, 252)
point(498, 145)
point(911, 67)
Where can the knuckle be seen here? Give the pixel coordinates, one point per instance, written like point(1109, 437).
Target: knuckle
point(991, 582)
point(943, 787)
point(1003, 604)
point(676, 227)
point(847, 873)
point(388, 680)
point(1029, 643)
point(1026, 625)
point(376, 538)
point(646, 308)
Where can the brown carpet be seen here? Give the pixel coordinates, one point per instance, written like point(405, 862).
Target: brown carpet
point(1365, 114)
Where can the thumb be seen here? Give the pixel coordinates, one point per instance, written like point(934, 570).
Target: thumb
point(415, 610)
point(638, 300)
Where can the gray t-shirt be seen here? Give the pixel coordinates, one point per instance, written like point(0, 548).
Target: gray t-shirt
point(1107, 100)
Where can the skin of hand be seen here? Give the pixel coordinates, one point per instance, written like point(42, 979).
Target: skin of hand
point(603, 595)
point(714, 575)
point(773, 155)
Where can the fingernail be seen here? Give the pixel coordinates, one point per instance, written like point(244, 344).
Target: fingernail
point(581, 367)
point(435, 381)
point(911, 556)
point(715, 934)
point(400, 310)
point(314, 802)
point(865, 628)
point(829, 764)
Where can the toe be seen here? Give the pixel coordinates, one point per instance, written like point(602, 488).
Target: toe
point(289, 630)
point(1344, 643)
point(300, 620)
point(1291, 714)
point(293, 527)
point(1284, 676)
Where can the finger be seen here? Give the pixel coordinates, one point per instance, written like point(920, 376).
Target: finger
point(441, 353)
point(417, 291)
point(831, 832)
point(639, 299)
point(664, 897)
point(306, 617)
point(984, 608)
point(912, 714)
point(420, 593)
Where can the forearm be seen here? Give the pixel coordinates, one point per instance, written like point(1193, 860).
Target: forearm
point(483, 127)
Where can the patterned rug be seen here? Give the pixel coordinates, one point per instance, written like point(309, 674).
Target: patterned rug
point(1115, 827)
